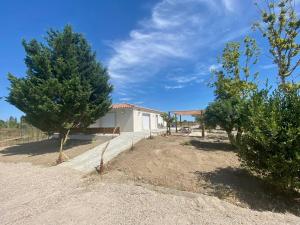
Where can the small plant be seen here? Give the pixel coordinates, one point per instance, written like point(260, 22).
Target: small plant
point(186, 143)
point(169, 120)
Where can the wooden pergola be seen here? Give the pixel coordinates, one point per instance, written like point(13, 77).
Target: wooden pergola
point(189, 113)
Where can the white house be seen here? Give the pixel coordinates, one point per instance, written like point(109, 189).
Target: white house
point(131, 118)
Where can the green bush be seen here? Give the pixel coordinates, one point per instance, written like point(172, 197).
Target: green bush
point(227, 114)
point(270, 145)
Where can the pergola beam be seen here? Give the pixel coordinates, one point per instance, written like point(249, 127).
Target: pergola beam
point(189, 113)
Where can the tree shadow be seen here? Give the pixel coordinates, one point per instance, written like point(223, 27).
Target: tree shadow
point(41, 147)
point(249, 190)
point(211, 146)
point(217, 137)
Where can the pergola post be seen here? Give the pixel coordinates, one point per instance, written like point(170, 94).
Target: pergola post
point(180, 121)
point(169, 125)
point(202, 125)
point(176, 123)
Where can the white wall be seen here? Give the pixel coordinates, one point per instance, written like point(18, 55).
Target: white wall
point(124, 119)
point(138, 120)
point(109, 120)
point(129, 120)
point(137, 115)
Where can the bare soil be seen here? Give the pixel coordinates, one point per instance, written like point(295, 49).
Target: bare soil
point(209, 166)
point(46, 152)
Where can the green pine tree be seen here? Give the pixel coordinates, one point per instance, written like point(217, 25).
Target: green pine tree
point(65, 85)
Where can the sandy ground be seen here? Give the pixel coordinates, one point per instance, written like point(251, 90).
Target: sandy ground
point(46, 152)
point(38, 195)
point(209, 166)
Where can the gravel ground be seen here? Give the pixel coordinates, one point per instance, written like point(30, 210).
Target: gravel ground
point(35, 195)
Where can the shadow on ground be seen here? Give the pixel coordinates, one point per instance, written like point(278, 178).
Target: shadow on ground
point(249, 190)
point(41, 147)
point(204, 145)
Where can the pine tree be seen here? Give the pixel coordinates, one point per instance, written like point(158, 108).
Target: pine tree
point(65, 86)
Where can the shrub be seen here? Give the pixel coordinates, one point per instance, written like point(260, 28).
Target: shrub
point(270, 146)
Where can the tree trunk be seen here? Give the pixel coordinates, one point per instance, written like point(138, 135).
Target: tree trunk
point(100, 168)
point(231, 138)
point(63, 139)
point(238, 136)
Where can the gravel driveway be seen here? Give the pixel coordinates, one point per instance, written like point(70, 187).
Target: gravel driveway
point(34, 195)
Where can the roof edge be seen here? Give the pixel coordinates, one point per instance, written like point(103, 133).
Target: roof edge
point(132, 106)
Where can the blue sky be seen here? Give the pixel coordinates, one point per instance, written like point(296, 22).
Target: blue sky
point(159, 53)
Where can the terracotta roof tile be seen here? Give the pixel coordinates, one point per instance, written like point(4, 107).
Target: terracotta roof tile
point(131, 106)
point(122, 106)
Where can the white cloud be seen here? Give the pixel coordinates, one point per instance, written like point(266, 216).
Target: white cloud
point(268, 66)
point(174, 87)
point(122, 93)
point(230, 4)
point(138, 103)
point(184, 79)
point(214, 67)
point(177, 32)
point(125, 99)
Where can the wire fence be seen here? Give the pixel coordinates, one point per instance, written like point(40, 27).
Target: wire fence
point(24, 134)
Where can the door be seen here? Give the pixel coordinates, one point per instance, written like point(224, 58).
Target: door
point(108, 120)
point(146, 121)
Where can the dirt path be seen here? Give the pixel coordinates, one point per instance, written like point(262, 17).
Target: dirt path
point(35, 195)
point(46, 152)
point(208, 166)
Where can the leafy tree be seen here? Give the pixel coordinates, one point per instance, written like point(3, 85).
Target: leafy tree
point(226, 114)
point(12, 122)
point(280, 25)
point(270, 145)
point(3, 124)
point(65, 85)
point(200, 119)
point(233, 87)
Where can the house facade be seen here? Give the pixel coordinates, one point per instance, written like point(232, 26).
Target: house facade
point(131, 118)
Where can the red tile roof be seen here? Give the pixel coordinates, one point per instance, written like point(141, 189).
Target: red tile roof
point(131, 106)
point(122, 106)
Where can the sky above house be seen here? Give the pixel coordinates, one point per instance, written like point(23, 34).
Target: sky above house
point(159, 53)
